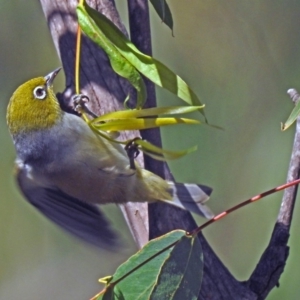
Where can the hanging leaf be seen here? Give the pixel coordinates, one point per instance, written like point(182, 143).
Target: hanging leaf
point(110, 124)
point(164, 12)
point(141, 123)
point(90, 21)
point(292, 118)
point(162, 154)
point(146, 112)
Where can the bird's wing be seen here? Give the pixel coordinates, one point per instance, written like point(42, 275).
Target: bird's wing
point(90, 148)
point(81, 219)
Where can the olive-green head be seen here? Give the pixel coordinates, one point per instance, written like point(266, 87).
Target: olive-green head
point(34, 106)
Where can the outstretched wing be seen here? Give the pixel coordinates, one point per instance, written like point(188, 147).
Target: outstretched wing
point(81, 219)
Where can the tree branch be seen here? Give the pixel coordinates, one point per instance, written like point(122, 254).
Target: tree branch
point(271, 265)
point(177, 218)
point(105, 89)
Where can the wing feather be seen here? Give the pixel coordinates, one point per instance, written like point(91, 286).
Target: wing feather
point(82, 219)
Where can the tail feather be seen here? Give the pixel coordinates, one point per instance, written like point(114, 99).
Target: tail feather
point(191, 197)
point(187, 196)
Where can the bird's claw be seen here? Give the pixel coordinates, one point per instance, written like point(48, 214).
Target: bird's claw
point(79, 104)
point(132, 152)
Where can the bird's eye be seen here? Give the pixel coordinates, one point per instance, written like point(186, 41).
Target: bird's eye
point(39, 92)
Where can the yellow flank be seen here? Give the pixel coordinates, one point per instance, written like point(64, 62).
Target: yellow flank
point(27, 113)
point(156, 187)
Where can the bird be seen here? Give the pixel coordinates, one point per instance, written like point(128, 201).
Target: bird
point(65, 170)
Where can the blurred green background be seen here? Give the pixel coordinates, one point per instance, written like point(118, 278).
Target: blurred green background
point(240, 57)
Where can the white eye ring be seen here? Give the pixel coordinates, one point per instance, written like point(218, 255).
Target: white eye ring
point(39, 92)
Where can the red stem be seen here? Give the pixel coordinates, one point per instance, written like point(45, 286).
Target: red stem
point(253, 199)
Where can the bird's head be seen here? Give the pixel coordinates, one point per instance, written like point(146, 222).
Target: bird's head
point(34, 106)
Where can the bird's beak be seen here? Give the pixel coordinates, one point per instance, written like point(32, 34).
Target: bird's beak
point(51, 76)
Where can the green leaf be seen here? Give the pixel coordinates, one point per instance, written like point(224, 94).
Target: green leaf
point(146, 147)
point(169, 267)
point(141, 123)
point(147, 112)
point(292, 118)
point(119, 64)
point(162, 154)
point(137, 278)
point(163, 10)
point(151, 68)
point(181, 274)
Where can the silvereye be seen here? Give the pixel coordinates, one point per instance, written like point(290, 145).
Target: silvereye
point(64, 169)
